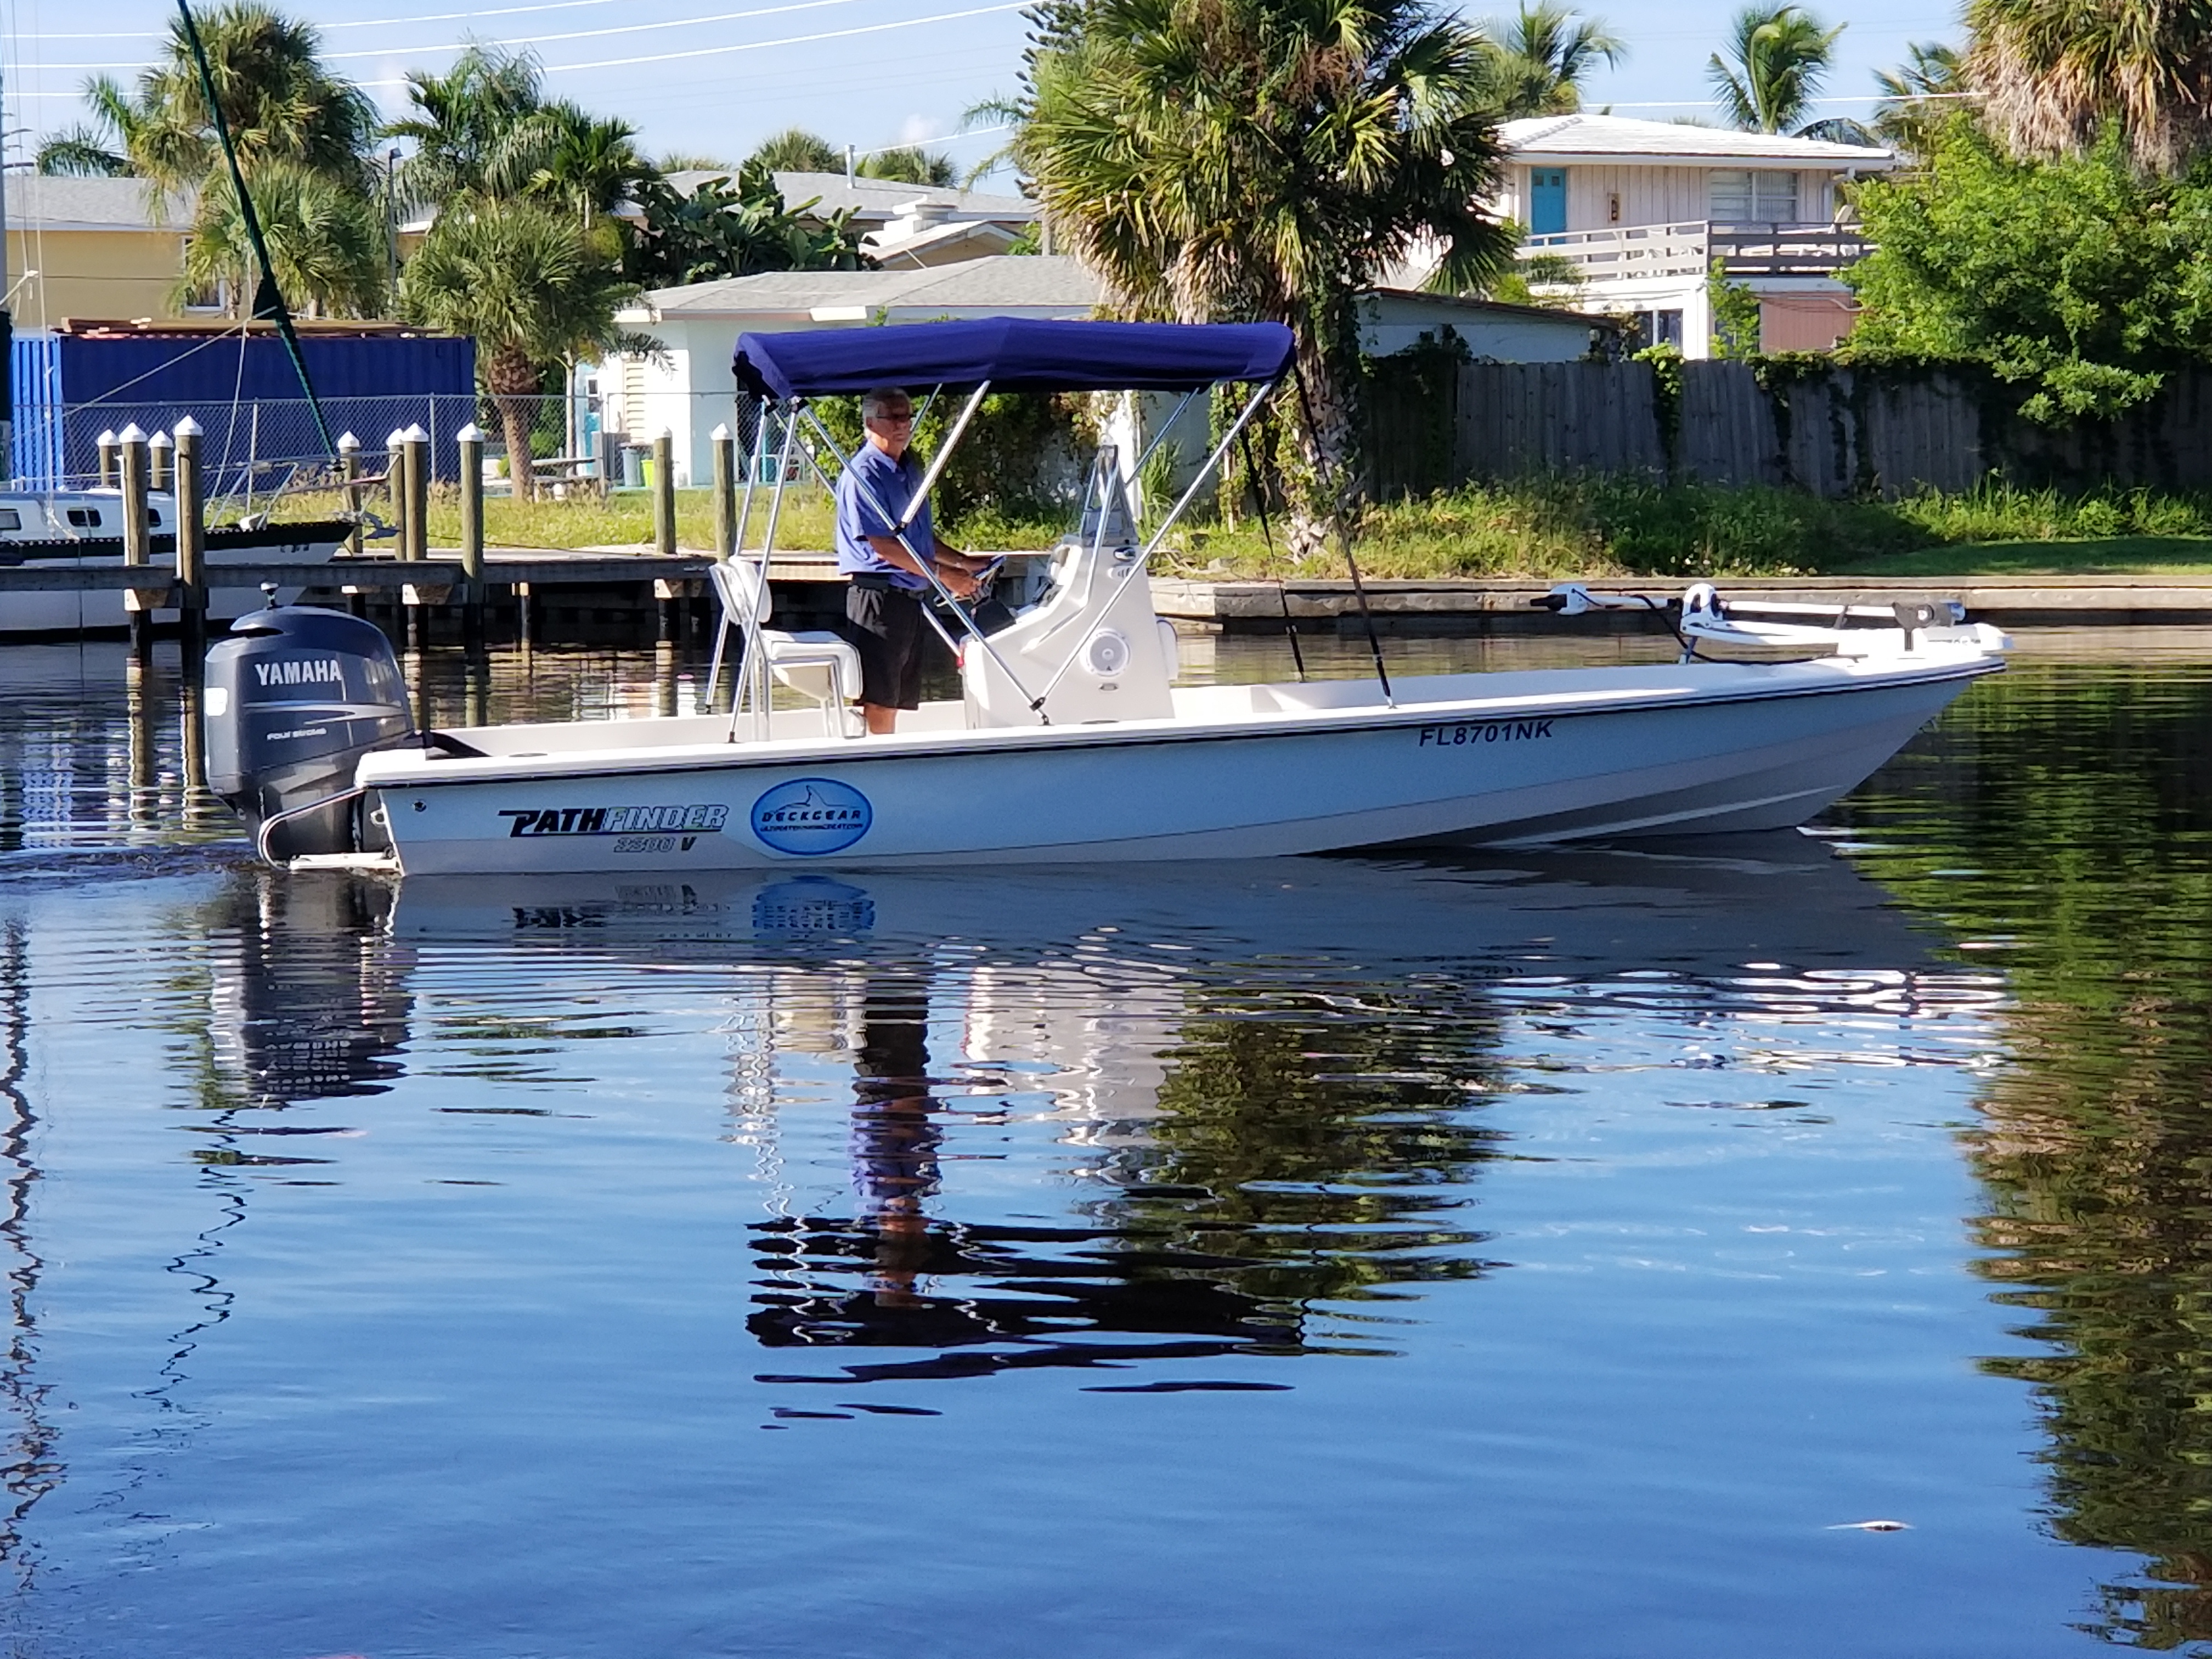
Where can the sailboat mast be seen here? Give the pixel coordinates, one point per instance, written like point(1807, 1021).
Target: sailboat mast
point(268, 299)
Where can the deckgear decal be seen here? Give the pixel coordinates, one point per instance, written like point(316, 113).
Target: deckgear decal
point(613, 820)
point(811, 817)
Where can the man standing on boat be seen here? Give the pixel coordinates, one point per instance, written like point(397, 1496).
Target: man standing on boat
point(890, 584)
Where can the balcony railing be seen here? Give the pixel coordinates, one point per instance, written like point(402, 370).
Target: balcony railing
point(1640, 252)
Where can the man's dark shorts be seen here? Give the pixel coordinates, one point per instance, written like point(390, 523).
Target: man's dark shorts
point(884, 625)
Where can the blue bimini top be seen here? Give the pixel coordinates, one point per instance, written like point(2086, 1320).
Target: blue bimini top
point(1014, 353)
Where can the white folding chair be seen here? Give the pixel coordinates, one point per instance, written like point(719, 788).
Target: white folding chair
point(819, 666)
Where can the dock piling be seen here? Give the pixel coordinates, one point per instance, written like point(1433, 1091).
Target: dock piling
point(663, 493)
point(158, 452)
point(725, 447)
point(106, 443)
point(349, 471)
point(191, 540)
point(133, 465)
point(470, 438)
point(414, 523)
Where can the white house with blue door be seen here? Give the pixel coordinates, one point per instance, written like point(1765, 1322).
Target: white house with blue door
point(1642, 210)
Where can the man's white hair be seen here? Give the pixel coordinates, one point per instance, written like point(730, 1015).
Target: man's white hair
point(877, 399)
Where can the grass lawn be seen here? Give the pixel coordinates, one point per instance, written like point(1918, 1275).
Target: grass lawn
point(2111, 555)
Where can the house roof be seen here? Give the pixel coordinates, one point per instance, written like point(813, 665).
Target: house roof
point(988, 235)
point(38, 201)
point(1006, 281)
point(1447, 306)
point(1618, 138)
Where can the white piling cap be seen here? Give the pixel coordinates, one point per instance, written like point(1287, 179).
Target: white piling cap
point(132, 433)
point(188, 427)
point(106, 439)
point(158, 440)
point(414, 435)
point(396, 437)
point(471, 433)
point(720, 434)
point(347, 442)
point(667, 432)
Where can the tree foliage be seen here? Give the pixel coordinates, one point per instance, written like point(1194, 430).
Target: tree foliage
point(1542, 54)
point(2079, 277)
point(528, 283)
point(1777, 58)
point(734, 227)
point(1219, 160)
point(1918, 96)
point(2053, 73)
point(302, 136)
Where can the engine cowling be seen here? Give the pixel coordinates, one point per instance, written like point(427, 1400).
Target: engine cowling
point(293, 698)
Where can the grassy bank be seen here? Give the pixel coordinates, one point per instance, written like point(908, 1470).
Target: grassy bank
point(1543, 527)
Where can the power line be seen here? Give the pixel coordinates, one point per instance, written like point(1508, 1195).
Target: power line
point(386, 53)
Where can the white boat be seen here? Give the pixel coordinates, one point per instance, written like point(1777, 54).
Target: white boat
point(74, 529)
point(1070, 744)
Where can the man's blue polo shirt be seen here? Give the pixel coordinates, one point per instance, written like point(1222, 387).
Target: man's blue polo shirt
point(872, 492)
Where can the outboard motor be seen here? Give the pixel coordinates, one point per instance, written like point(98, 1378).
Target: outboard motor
point(294, 698)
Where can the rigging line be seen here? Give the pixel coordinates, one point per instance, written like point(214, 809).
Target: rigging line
point(1343, 533)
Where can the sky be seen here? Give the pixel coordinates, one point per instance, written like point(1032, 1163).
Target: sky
point(713, 78)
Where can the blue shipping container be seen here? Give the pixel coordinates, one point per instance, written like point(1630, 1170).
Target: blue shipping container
point(243, 392)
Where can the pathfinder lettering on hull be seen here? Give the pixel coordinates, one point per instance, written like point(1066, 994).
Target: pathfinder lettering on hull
point(612, 820)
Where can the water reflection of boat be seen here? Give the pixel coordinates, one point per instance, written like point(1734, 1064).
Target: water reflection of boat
point(1779, 897)
point(1266, 1072)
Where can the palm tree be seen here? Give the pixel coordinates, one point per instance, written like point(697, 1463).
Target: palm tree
point(468, 127)
point(1918, 95)
point(1543, 54)
point(1267, 159)
point(2052, 72)
point(278, 100)
point(525, 280)
point(1777, 58)
point(911, 165)
point(797, 150)
point(325, 242)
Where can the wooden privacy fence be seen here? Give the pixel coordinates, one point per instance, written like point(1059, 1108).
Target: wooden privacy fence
point(1831, 430)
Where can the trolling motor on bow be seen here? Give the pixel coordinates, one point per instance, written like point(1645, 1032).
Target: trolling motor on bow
point(294, 697)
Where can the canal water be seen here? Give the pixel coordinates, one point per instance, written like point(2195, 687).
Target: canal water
point(1795, 1244)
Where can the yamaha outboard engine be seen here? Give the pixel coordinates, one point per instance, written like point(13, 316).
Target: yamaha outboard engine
point(294, 697)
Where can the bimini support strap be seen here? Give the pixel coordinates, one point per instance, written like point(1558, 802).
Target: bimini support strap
point(929, 566)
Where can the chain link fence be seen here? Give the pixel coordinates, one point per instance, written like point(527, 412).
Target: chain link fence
point(258, 452)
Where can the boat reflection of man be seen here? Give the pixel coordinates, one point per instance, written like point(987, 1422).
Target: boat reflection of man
point(895, 1136)
point(889, 583)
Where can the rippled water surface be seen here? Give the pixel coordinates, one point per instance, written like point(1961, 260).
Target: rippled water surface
point(1558, 1255)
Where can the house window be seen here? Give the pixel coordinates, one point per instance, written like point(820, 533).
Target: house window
point(1547, 201)
point(1750, 199)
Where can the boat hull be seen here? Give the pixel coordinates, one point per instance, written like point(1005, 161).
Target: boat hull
point(26, 615)
point(1721, 748)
